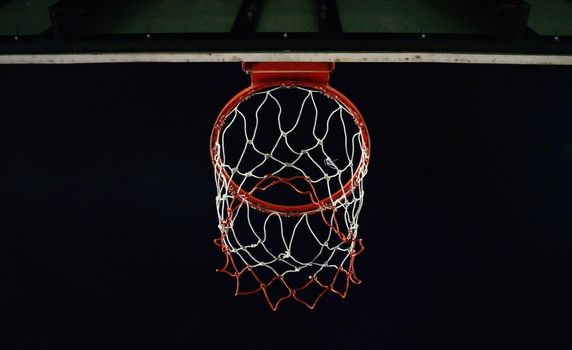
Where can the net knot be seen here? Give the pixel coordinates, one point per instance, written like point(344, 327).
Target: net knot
point(331, 163)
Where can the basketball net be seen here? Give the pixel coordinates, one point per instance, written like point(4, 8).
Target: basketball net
point(290, 154)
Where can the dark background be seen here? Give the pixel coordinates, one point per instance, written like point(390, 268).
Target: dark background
point(107, 199)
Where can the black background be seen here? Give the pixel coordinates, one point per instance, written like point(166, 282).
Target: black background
point(107, 199)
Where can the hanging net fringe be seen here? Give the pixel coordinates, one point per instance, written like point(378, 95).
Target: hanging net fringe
point(288, 215)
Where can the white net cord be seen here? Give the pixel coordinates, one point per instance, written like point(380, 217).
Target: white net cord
point(289, 194)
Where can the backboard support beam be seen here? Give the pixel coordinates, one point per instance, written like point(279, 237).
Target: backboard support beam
point(512, 16)
point(68, 15)
point(329, 17)
point(247, 17)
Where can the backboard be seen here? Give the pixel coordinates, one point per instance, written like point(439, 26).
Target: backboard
point(83, 31)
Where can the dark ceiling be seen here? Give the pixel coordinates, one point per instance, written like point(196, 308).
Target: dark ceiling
point(76, 26)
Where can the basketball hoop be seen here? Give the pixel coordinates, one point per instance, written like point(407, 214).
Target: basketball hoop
point(290, 154)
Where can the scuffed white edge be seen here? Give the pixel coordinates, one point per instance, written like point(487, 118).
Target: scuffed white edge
point(381, 57)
